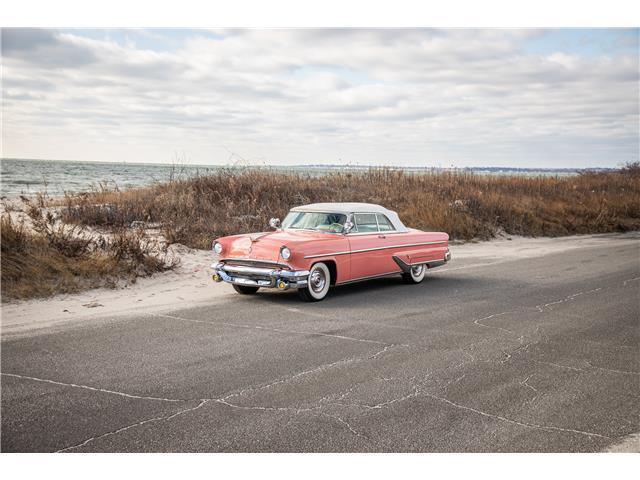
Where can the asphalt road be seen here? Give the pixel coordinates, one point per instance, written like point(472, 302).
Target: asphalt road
point(538, 354)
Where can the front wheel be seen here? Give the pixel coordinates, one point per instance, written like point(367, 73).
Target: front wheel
point(317, 284)
point(415, 275)
point(245, 290)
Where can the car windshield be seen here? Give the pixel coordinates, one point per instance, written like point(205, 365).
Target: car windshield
point(324, 222)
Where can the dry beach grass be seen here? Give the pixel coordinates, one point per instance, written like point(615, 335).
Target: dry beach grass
point(45, 256)
point(467, 206)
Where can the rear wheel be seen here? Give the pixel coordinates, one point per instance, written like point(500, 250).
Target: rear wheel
point(245, 290)
point(415, 275)
point(317, 284)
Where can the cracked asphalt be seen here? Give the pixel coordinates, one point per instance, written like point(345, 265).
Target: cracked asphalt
point(538, 354)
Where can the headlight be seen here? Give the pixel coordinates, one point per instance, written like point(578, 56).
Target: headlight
point(285, 253)
point(217, 247)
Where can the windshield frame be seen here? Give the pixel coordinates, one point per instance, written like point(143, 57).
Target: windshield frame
point(346, 219)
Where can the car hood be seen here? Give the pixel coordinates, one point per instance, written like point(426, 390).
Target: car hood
point(267, 245)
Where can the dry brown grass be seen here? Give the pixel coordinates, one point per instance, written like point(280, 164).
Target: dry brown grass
point(48, 257)
point(467, 206)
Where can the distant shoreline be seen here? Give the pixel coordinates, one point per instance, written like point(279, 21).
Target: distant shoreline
point(331, 166)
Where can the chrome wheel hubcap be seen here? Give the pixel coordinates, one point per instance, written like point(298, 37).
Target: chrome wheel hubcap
point(317, 280)
point(417, 270)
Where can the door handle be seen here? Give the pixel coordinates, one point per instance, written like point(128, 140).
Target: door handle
point(382, 236)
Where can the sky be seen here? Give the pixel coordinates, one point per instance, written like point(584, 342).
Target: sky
point(398, 97)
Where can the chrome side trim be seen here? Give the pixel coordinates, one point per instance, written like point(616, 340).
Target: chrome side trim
point(370, 277)
point(326, 254)
point(376, 248)
point(383, 232)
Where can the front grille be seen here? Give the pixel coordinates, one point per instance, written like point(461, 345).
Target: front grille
point(251, 277)
point(247, 262)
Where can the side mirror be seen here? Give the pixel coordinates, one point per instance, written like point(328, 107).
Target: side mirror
point(274, 223)
point(348, 226)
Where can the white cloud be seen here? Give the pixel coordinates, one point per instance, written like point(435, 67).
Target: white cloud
point(410, 97)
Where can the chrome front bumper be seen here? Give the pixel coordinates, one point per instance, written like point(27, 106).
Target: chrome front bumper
point(260, 277)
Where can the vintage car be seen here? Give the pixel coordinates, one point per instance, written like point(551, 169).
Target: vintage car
point(326, 244)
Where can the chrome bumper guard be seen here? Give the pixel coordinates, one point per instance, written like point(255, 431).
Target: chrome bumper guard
point(260, 277)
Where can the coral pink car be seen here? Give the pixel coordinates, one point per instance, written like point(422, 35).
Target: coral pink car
point(326, 244)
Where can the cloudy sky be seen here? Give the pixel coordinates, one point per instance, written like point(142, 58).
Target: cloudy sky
point(525, 98)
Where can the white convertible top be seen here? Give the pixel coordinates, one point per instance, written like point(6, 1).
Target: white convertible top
point(347, 208)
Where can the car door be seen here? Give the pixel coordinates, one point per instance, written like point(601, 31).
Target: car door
point(370, 248)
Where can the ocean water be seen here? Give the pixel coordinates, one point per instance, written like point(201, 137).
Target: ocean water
point(28, 177)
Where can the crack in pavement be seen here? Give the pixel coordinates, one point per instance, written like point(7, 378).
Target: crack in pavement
point(95, 389)
point(480, 320)
point(540, 308)
point(590, 367)
point(537, 393)
point(417, 392)
point(288, 378)
point(297, 410)
point(512, 421)
point(133, 425)
point(454, 381)
point(525, 383)
point(613, 370)
point(414, 386)
point(221, 400)
point(558, 365)
point(272, 329)
point(346, 424)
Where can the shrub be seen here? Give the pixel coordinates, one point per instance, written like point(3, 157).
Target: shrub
point(49, 259)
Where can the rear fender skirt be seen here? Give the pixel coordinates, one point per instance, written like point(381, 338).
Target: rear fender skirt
point(406, 267)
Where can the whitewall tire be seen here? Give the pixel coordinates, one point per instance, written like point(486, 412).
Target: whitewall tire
point(318, 283)
point(416, 274)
